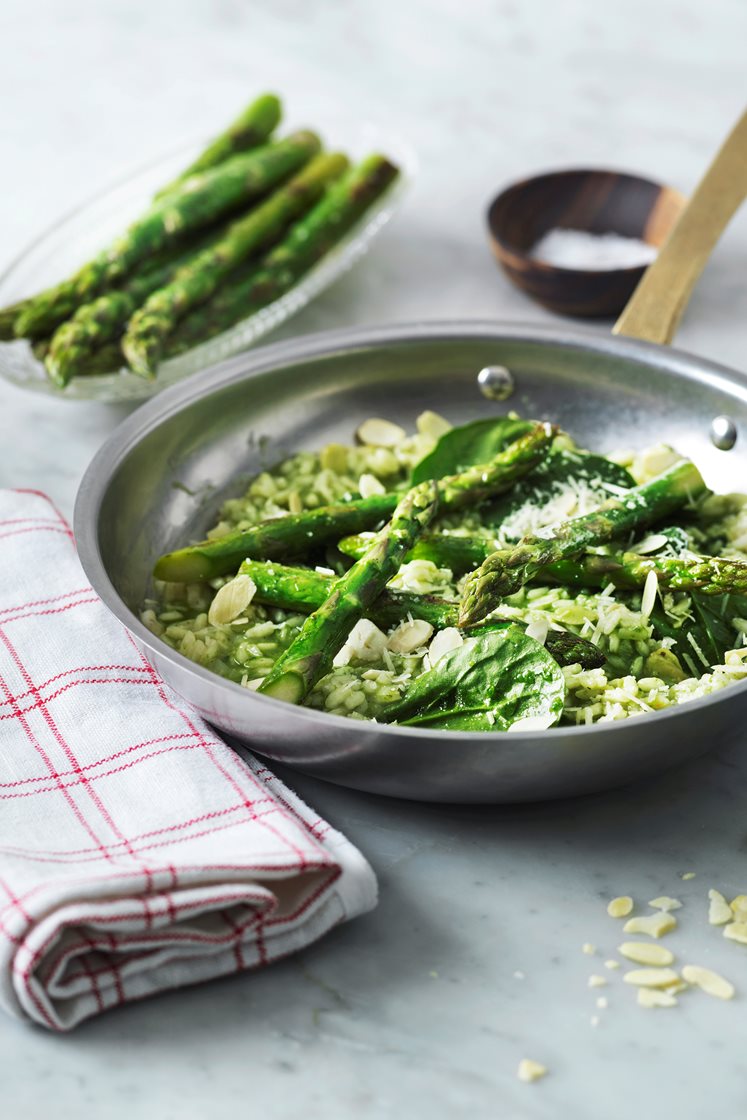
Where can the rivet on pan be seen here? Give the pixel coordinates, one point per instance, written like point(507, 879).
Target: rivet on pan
point(723, 433)
point(496, 383)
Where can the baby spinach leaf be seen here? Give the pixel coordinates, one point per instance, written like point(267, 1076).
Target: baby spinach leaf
point(492, 681)
point(701, 641)
point(468, 446)
point(549, 478)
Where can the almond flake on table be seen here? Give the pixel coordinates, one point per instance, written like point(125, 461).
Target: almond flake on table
point(646, 952)
point(654, 925)
point(719, 910)
point(664, 902)
point(620, 907)
point(651, 977)
point(736, 931)
point(656, 997)
point(529, 1070)
point(708, 981)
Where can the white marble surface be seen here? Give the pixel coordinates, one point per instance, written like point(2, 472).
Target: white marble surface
point(414, 1010)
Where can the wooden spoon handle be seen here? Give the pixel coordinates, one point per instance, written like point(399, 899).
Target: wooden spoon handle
point(654, 310)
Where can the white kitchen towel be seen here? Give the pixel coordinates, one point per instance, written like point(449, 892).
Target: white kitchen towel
point(138, 852)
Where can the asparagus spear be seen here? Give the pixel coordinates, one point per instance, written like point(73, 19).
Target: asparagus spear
point(272, 540)
point(306, 243)
point(710, 575)
point(145, 339)
point(503, 573)
point(251, 128)
point(459, 554)
point(8, 316)
point(311, 653)
point(304, 590)
point(200, 201)
point(107, 359)
point(323, 634)
point(296, 534)
point(104, 319)
point(98, 322)
point(67, 302)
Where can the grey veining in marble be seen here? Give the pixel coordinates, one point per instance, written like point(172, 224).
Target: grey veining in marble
point(416, 1009)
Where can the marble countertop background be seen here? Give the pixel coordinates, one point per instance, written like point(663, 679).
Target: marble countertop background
point(416, 1009)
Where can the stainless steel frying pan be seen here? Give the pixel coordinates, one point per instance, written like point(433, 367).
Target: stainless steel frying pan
point(161, 477)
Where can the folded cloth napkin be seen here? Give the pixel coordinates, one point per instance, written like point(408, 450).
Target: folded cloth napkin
point(137, 851)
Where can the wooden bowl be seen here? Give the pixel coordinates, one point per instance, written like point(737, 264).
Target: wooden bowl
point(593, 201)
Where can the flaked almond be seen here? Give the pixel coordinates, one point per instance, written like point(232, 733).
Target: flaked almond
point(529, 1070)
point(620, 907)
point(533, 723)
point(231, 600)
point(650, 591)
point(708, 981)
point(645, 952)
point(365, 642)
point(596, 981)
point(369, 486)
point(410, 636)
point(736, 931)
point(654, 997)
point(664, 902)
point(651, 543)
point(719, 911)
point(383, 462)
point(651, 977)
point(431, 424)
point(655, 460)
point(444, 641)
point(380, 433)
point(334, 457)
point(653, 925)
point(538, 629)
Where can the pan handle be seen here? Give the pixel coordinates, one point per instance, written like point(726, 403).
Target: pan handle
point(653, 311)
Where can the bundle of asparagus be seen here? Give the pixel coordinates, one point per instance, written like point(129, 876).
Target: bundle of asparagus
point(229, 235)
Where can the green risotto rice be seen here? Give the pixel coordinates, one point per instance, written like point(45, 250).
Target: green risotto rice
point(643, 671)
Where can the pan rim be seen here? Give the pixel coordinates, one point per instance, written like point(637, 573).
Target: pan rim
point(147, 418)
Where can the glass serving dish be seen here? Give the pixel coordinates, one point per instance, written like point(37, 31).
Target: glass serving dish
point(79, 235)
